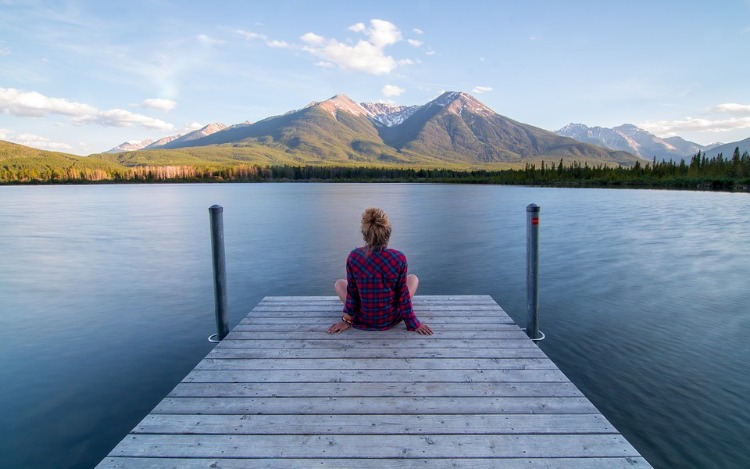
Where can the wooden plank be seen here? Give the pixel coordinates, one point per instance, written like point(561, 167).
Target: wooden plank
point(249, 349)
point(476, 424)
point(534, 389)
point(373, 376)
point(337, 308)
point(458, 299)
point(323, 320)
point(375, 406)
point(234, 340)
point(377, 364)
point(321, 333)
point(365, 446)
point(379, 463)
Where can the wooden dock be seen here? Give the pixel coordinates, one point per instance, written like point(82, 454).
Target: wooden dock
point(280, 392)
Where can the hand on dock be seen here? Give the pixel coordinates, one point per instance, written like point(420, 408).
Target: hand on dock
point(338, 327)
point(424, 329)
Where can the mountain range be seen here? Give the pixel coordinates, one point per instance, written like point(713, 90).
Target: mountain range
point(454, 129)
point(637, 141)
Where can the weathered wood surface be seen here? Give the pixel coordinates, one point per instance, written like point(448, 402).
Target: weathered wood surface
point(280, 392)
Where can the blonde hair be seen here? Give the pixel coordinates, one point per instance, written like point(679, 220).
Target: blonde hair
point(376, 228)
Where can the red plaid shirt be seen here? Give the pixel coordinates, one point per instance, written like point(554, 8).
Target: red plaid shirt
point(376, 294)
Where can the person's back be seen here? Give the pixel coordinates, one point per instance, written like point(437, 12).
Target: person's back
point(377, 293)
point(378, 289)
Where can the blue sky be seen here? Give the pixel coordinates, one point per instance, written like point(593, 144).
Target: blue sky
point(84, 76)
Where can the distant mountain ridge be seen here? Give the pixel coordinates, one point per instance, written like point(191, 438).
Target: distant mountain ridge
point(628, 137)
point(131, 146)
point(727, 149)
point(454, 128)
point(169, 142)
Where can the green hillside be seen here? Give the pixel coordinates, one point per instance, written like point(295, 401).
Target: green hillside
point(22, 163)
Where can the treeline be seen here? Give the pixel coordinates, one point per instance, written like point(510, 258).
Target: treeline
point(700, 172)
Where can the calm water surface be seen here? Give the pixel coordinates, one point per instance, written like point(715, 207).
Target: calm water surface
point(106, 298)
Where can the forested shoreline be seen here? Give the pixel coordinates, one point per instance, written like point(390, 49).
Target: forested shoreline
point(700, 173)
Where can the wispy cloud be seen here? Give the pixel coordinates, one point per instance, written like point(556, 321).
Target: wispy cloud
point(32, 104)
point(481, 89)
point(253, 36)
point(123, 118)
point(209, 40)
point(414, 42)
point(160, 104)
point(278, 44)
point(733, 108)
point(193, 126)
point(720, 118)
point(366, 56)
point(34, 141)
point(392, 91)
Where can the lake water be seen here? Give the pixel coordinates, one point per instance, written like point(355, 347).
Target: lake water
point(106, 297)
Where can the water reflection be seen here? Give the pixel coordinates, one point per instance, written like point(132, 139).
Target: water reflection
point(107, 297)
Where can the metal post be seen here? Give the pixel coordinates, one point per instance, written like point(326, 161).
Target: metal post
point(220, 272)
point(532, 272)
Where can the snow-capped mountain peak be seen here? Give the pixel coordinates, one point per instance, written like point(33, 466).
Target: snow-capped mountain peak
point(446, 98)
point(389, 115)
point(458, 102)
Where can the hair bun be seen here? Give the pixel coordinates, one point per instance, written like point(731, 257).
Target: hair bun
point(376, 227)
point(375, 216)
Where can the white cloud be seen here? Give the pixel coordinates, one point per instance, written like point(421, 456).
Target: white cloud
point(481, 89)
point(392, 90)
point(366, 56)
point(123, 118)
point(193, 126)
point(4, 50)
point(161, 104)
point(695, 124)
point(732, 108)
point(34, 141)
point(417, 31)
point(278, 44)
point(357, 28)
point(714, 120)
point(414, 42)
point(33, 104)
point(249, 35)
point(313, 39)
point(383, 33)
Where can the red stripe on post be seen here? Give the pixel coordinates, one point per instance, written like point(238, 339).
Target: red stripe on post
point(535, 221)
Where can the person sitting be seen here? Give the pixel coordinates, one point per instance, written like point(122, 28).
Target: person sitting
point(377, 290)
